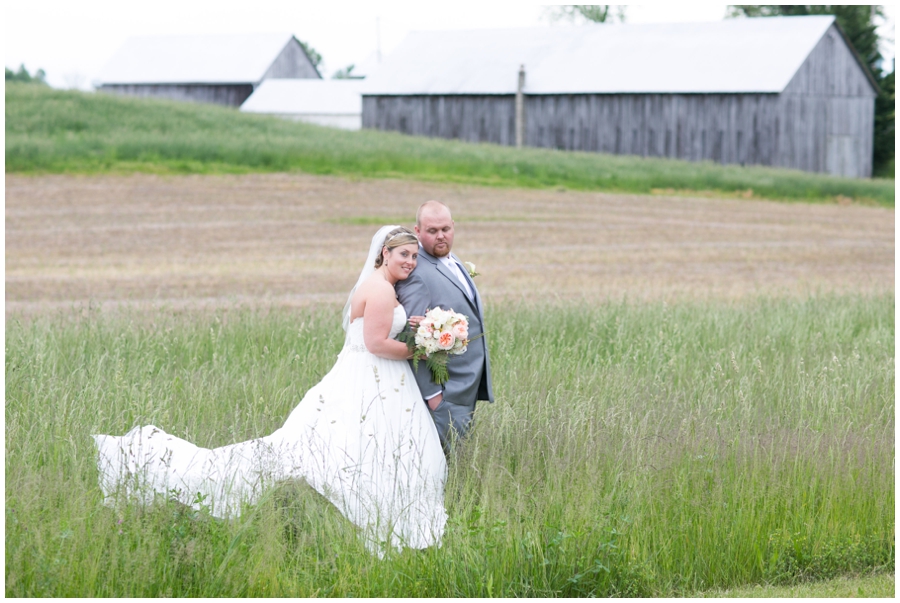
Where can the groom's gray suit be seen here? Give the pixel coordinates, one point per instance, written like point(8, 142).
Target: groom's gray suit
point(433, 285)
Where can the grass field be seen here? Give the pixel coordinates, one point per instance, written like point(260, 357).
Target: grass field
point(695, 393)
point(880, 585)
point(634, 449)
point(51, 131)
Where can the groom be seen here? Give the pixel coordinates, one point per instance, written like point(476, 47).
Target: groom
point(439, 279)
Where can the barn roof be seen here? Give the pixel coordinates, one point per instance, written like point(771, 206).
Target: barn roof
point(306, 96)
point(200, 59)
point(729, 56)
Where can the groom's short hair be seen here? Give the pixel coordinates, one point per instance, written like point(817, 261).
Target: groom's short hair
point(430, 203)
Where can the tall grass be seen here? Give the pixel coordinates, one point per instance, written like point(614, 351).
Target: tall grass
point(634, 449)
point(52, 131)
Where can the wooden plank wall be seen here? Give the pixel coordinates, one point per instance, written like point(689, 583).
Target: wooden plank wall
point(232, 95)
point(725, 128)
point(831, 86)
point(822, 122)
point(469, 118)
point(830, 70)
point(292, 63)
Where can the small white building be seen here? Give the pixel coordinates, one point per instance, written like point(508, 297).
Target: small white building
point(335, 103)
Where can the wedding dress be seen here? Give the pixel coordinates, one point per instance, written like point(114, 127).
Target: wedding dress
point(362, 437)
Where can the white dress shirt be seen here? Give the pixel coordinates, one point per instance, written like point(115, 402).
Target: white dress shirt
point(456, 269)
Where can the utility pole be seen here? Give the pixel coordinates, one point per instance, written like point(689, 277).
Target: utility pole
point(520, 109)
point(378, 38)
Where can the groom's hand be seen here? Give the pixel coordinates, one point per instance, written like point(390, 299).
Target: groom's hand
point(433, 403)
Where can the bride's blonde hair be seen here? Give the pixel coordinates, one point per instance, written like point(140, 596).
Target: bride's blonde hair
point(396, 238)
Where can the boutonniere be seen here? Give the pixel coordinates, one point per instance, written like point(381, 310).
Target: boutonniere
point(470, 268)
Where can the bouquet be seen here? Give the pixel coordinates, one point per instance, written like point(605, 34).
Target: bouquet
point(440, 334)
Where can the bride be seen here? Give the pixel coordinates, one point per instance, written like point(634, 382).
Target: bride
point(362, 437)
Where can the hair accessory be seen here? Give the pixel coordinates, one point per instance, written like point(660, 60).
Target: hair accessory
point(394, 236)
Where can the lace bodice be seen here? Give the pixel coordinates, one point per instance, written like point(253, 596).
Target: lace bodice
point(355, 341)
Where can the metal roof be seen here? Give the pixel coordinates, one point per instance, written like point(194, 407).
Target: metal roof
point(728, 56)
point(306, 96)
point(206, 59)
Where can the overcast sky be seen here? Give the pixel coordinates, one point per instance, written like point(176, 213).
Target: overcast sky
point(72, 39)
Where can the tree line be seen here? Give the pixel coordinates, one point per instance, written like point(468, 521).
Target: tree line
point(22, 75)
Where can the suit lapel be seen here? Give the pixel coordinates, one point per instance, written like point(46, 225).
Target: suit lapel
point(442, 268)
point(466, 276)
point(452, 277)
point(476, 304)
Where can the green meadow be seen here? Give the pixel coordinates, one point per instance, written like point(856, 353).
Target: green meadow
point(700, 448)
point(635, 449)
point(52, 131)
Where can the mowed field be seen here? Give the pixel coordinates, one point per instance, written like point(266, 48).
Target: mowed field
point(293, 239)
point(694, 396)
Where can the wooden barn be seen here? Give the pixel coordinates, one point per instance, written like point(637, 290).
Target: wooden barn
point(780, 91)
point(221, 69)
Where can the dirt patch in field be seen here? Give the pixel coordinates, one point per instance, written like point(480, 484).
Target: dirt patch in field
point(291, 239)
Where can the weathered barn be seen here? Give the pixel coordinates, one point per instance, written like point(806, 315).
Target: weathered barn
point(221, 69)
point(779, 91)
point(335, 103)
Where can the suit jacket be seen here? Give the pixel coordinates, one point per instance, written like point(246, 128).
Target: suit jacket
point(430, 285)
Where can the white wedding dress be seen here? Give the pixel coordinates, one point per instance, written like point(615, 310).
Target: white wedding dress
point(362, 437)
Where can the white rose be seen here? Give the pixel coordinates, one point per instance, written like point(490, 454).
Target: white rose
point(439, 316)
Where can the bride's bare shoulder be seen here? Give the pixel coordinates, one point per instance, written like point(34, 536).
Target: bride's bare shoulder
point(374, 288)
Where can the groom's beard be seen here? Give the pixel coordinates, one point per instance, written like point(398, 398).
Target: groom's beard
point(440, 252)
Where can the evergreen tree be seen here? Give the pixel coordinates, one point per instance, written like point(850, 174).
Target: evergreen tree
point(883, 155)
point(22, 75)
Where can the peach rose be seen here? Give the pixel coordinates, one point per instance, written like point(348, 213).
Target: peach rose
point(446, 340)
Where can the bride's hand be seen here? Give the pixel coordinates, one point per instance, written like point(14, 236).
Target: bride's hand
point(415, 320)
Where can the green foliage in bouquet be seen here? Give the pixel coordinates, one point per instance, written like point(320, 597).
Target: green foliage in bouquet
point(436, 363)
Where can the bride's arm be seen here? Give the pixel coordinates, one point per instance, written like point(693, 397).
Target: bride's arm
point(378, 317)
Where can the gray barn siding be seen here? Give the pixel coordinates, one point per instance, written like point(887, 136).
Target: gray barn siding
point(292, 63)
point(221, 94)
point(831, 91)
point(752, 129)
point(830, 70)
point(822, 122)
point(714, 127)
point(469, 118)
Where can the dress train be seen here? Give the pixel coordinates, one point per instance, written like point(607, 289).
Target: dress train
point(362, 437)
